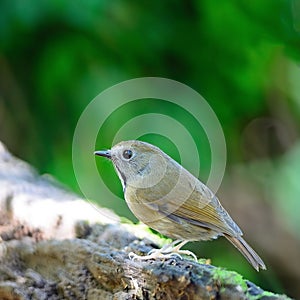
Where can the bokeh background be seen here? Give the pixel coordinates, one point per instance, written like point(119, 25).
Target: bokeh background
point(241, 56)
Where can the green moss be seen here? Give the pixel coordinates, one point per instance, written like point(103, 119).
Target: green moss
point(203, 261)
point(265, 295)
point(224, 277)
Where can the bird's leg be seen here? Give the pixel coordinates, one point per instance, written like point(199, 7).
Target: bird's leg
point(177, 249)
point(167, 251)
point(166, 248)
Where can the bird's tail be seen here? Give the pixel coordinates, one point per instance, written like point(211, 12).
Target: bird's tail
point(247, 251)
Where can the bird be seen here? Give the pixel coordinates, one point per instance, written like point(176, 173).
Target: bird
point(169, 199)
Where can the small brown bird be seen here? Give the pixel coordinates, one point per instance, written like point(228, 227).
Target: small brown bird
point(166, 197)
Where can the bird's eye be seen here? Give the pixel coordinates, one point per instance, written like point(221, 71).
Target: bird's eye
point(127, 154)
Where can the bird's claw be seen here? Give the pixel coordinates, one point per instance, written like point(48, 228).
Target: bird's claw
point(167, 251)
point(153, 254)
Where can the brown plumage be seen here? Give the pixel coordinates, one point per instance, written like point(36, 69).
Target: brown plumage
point(166, 197)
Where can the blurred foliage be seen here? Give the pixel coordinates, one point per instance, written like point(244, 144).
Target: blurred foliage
point(56, 56)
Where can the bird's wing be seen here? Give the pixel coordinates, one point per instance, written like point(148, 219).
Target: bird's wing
point(201, 208)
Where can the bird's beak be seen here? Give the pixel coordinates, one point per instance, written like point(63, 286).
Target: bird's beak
point(105, 153)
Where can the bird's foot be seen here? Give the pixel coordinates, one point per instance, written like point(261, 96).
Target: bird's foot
point(167, 251)
point(153, 255)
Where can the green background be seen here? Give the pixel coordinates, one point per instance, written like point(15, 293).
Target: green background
point(241, 56)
